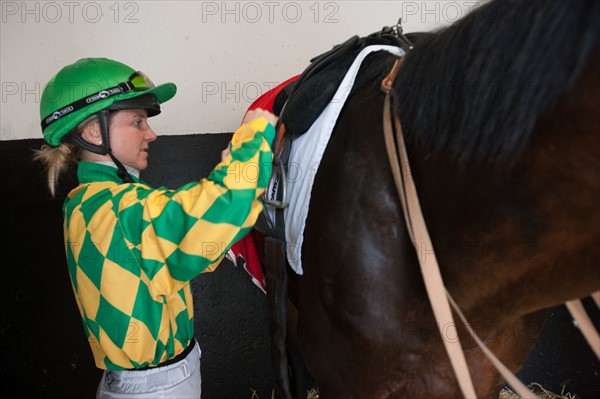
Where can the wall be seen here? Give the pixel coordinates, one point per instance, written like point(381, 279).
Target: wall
point(221, 54)
point(42, 345)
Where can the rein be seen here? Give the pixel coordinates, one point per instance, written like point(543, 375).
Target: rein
point(439, 297)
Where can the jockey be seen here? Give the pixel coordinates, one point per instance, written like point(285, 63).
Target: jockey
point(132, 249)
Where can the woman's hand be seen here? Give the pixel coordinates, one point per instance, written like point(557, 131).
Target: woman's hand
point(249, 117)
point(258, 113)
point(224, 154)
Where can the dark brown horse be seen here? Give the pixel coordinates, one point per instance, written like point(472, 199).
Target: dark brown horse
point(501, 116)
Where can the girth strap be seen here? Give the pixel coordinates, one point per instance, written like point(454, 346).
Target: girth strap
point(276, 263)
point(277, 290)
point(439, 297)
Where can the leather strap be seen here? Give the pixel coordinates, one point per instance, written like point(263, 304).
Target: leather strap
point(277, 293)
point(438, 295)
point(584, 322)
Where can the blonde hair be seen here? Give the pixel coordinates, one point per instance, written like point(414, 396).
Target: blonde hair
point(57, 159)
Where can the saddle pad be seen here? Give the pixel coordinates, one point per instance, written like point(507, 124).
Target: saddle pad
point(305, 157)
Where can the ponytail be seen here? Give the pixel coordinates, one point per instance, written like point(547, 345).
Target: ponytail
point(55, 160)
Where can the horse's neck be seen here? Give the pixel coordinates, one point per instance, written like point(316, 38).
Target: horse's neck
point(526, 237)
point(478, 227)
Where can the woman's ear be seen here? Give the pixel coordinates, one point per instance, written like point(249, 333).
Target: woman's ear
point(91, 133)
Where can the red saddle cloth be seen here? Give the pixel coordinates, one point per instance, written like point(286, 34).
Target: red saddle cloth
point(246, 251)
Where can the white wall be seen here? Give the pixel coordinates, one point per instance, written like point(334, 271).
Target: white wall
point(222, 55)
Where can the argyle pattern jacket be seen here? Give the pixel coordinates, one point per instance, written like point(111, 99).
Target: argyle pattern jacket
point(132, 249)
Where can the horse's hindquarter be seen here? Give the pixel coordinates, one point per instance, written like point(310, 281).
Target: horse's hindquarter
point(504, 241)
point(365, 323)
point(347, 317)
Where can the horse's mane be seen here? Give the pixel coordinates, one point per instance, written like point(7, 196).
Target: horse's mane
point(477, 87)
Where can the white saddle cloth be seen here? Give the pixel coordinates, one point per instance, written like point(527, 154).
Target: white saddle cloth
point(305, 157)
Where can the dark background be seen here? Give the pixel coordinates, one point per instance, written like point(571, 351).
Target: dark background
point(44, 353)
point(43, 349)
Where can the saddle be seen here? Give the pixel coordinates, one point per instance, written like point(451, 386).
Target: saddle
point(298, 105)
point(301, 101)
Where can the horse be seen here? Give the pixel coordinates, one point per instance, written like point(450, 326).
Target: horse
point(500, 117)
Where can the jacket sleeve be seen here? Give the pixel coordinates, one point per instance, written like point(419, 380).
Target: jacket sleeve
point(190, 229)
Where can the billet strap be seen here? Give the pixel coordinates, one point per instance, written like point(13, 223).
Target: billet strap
point(438, 296)
point(277, 294)
point(276, 264)
point(431, 274)
point(584, 322)
point(596, 298)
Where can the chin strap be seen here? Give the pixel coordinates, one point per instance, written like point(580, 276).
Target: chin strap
point(121, 171)
point(102, 149)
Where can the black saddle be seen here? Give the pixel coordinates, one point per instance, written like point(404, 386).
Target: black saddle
point(298, 105)
point(301, 102)
point(305, 98)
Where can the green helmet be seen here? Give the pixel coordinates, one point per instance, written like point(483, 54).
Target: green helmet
point(90, 85)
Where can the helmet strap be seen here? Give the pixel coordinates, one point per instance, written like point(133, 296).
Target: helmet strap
point(121, 171)
point(75, 138)
point(103, 121)
point(102, 149)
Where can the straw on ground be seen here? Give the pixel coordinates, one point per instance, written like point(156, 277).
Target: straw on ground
point(541, 392)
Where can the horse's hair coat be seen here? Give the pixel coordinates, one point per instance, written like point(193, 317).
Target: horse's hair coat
point(446, 83)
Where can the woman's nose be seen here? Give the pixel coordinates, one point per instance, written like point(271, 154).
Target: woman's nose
point(150, 135)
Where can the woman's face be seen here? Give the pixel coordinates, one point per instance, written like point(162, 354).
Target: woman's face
point(130, 137)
